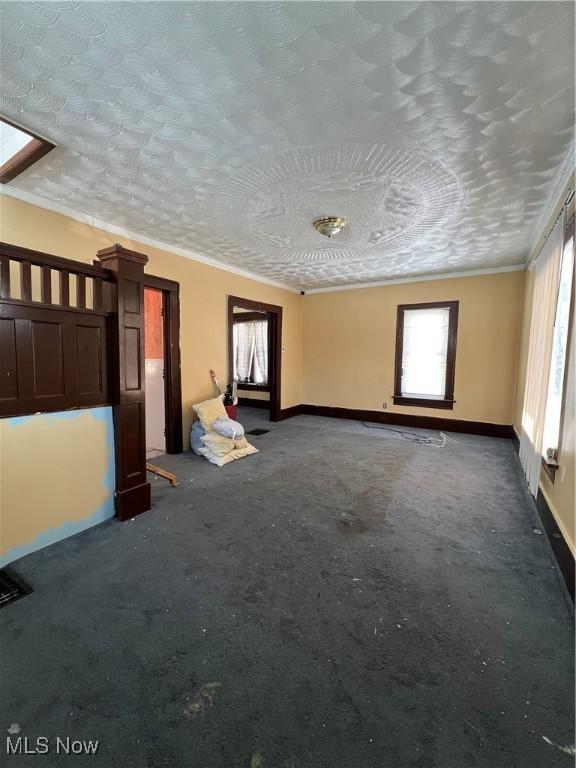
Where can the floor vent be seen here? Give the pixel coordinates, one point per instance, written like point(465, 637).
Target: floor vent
point(12, 587)
point(258, 432)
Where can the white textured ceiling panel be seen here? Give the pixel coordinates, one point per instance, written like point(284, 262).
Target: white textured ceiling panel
point(436, 129)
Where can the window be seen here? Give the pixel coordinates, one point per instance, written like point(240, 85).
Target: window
point(426, 354)
point(546, 269)
point(19, 149)
point(250, 338)
point(555, 394)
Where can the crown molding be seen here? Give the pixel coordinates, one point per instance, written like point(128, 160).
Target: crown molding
point(418, 279)
point(92, 221)
point(555, 202)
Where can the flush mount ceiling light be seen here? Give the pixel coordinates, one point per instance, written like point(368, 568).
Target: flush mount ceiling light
point(329, 225)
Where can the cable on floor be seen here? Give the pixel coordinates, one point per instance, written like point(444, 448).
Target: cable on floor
point(415, 437)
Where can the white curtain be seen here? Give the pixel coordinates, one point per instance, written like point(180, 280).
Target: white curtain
point(553, 417)
point(251, 351)
point(260, 351)
point(544, 298)
point(244, 342)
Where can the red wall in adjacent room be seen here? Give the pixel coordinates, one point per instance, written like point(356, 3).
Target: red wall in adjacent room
point(153, 340)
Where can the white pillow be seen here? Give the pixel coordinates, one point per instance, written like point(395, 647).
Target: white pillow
point(210, 410)
point(220, 446)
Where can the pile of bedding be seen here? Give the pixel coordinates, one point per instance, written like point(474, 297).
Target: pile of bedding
point(215, 436)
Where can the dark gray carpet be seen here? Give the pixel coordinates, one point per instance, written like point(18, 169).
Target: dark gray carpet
point(343, 599)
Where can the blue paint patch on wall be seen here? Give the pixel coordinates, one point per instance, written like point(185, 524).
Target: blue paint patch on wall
point(100, 414)
point(105, 415)
point(104, 511)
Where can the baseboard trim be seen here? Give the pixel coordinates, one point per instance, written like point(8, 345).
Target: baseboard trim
point(133, 501)
point(248, 402)
point(516, 442)
point(288, 413)
point(403, 420)
point(561, 550)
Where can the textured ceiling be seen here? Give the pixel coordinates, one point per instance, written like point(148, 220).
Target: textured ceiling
point(436, 129)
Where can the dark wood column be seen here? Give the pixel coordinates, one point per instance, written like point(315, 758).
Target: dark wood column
point(132, 489)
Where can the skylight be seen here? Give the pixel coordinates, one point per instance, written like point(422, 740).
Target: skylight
point(12, 140)
point(19, 149)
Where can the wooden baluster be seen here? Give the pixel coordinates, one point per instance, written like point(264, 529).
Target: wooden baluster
point(81, 291)
point(64, 288)
point(97, 293)
point(25, 281)
point(46, 285)
point(4, 277)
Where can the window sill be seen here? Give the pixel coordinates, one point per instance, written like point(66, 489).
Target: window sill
point(424, 402)
point(246, 385)
point(550, 468)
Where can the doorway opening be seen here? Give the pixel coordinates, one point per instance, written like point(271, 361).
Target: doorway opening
point(154, 373)
point(255, 353)
point(163, 405)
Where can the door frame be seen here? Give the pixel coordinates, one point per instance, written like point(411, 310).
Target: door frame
point(172, 376)
point(274, 313)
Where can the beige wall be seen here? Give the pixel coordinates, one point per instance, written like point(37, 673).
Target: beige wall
point(560, 494)
point(343, 341)
point(203, 292)
point(349, 342)
point(338, 351)
point(72, 488)
point(73, 452)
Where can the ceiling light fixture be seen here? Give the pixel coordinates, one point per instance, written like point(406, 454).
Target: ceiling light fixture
point(329, 225)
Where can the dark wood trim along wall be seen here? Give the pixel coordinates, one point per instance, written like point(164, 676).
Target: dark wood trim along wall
point(173, 380)
point(562, 552)
point(249, 317)
point(52, 360)
point(560, 548)
point(54, 347)
point(403, 420)
point(274, 315)
point(247, 402)
point(132, 488)
point(446, 402)
point(289, 413)
point(61, 349)
point(246, 386)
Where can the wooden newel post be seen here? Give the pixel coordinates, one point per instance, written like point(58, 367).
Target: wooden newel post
point(132, 489)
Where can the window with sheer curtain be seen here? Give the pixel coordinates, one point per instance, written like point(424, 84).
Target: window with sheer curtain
point(251, 351)
point(426, 354)
point(540, 366)
point(555, 394)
